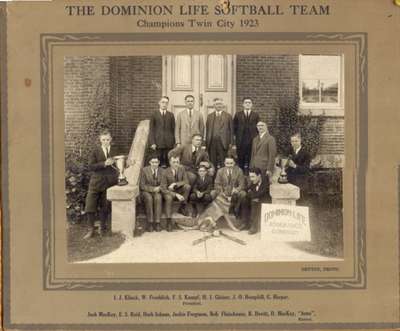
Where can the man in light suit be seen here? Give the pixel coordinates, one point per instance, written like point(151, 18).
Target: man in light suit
point(245, 130)
point(219, 133)
point(162, 131)
point(188, 122)
point(103, 176)
point(190, 156)
point(263, 151)
point(150, 189)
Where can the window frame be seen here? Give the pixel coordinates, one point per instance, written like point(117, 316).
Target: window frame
point(321, 108)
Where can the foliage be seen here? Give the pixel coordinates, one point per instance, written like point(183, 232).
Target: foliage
point(77, 174)
point(290, 122)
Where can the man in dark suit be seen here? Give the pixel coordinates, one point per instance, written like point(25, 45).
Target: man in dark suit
point(150, 189)
point(103, 176)
point(263, 151)
point(298, 166)
point(162, 131)
point(202, 190)
point(190, 156)
point(245, 130)
point(174, 186)
point(219, 133)
point(257, 193)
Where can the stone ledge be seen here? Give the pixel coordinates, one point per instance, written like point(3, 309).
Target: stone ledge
point(284, 191)
point(124, 193)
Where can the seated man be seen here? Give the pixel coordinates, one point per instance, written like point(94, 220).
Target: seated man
point(298, 166)
point(210, 168)
point(230, 194)
point(174, 186)
point(150, 190)
point(257, 193)
point(230, 184)
point(202, 191)
point(103, 176)
point(190, 156)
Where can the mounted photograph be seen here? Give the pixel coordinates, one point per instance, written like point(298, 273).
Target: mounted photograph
point(204, 158)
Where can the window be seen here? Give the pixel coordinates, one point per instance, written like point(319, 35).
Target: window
point(321, 83)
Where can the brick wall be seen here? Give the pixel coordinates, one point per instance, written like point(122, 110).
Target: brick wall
point(271, 80)
point(82, 78)
point(136, 90)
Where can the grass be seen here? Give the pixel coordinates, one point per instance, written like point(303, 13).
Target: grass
point(81, 250)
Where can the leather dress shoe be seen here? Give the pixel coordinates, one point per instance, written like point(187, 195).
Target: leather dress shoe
point(157, 227)
point(89, 234)
point(252, 230)
point(150, 227)
point(169, 226)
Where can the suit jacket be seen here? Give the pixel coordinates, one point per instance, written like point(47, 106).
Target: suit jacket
point(185, 127)
point(162, 130)
point(203, 186)
point(262, 193)
point(186, 156)
point(147, 180)
point(222, 183)
point(225, 130)
point(245, 130)
point(102, 176)
point(302, 160)
point(168, 178)
point(263, 153)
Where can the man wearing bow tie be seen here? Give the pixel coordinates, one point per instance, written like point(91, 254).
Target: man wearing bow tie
point(190, 156)
point(162, 131)
point(245, 130)
point(219, 133)
point(103, 176)
point(188, 122)
point(150, 187)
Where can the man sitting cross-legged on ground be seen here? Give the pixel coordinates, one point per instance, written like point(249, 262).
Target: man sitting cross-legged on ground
point(150, 190)
point(175, 187)
point(257, 193)
point(202, 191)
point(190, 156)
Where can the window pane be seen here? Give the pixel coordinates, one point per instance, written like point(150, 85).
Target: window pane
point(329, 91)
point(310, 91)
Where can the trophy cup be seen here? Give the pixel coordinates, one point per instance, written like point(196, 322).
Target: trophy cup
point(120, 165)
point(283, 175)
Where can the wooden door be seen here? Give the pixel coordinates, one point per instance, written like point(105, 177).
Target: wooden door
point(203, 76)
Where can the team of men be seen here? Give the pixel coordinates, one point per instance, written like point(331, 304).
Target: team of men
point(193, 165)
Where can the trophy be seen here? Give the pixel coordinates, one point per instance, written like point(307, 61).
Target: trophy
point(120, 165)
point(283, 175)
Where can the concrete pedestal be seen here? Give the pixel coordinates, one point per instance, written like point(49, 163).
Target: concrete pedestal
point(123, 198)
point(285, 194)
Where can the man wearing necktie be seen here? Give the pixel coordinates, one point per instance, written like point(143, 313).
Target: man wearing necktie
point(150, 189)
point(219, 133)
point(191, 155)
point(103, 176)
point(202, 191)
point(188, 122)
point(162, 131)
point(175, 187)
point(245, 129)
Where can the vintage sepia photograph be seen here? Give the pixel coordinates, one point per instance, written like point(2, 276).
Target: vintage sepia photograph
point(204, 158)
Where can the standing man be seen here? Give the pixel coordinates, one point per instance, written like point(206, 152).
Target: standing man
point(190, 156)
point(150, 189)
point(219, 133)
point(245, 130)
point(162, 131)
point(263, 151)
point(188, 122)
point(175, 186)
point(103, 176)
